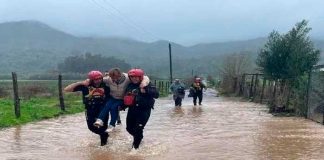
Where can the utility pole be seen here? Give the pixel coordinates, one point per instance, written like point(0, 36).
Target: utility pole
point(170, 63)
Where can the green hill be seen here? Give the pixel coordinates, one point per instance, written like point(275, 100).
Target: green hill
point(34, 47)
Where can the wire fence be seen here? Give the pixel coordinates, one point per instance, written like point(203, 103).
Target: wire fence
point(27, 89)
point(307, 99)
point(315, 98)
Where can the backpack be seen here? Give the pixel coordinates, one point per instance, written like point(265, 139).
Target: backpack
point(129, 99)
point(191, 92)
point(181, 90)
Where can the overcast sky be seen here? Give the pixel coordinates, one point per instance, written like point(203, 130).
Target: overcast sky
point(186, 22)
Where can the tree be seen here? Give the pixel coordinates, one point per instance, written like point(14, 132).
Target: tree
point(236, 64)
point(88, 62)
point(288, 56)
point(272, 58)
point(233, 67)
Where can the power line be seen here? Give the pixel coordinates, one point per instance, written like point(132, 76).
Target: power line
point(124, 19)
point(130, 20)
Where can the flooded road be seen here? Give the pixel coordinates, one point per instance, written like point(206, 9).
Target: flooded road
point(222, 128)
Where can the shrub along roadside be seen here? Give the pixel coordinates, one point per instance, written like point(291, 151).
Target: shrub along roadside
point(36, 109)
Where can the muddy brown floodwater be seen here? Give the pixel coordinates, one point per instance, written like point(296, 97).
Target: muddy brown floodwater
point(222, 128)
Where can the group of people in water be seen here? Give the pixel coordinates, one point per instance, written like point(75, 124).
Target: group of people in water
point(195, 91)
point(106, 95)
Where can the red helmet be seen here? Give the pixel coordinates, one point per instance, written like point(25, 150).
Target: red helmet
point(136, 73)
point(93, 75)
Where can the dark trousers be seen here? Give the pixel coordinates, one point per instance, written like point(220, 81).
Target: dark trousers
point(92, 113)
point(199, 96)
point(135, 122)
point(178, 101)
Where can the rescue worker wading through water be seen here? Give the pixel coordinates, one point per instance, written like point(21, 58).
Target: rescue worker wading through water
point(178, 90)
point(95, 93)
point(117, 82)
point(197, 88)
point(139, 101)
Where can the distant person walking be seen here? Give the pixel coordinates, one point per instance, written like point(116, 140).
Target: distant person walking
point(95, 94)
point(178, 90)
point(197, 91)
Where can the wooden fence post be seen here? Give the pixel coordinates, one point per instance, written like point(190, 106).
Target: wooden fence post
point(307, 94)
point(16, 97)
point(273, 98)
point(235, 84)
point(243, 84)
point(256, 81)
point(60, 93)
point(167, 88)
point(160, 86)
point(251, 86)
point(262, 92)
point(163, 86)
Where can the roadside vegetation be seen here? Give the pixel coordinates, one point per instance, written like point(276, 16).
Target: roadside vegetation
point(284, 63)
point(37, 108)
point(39, 100)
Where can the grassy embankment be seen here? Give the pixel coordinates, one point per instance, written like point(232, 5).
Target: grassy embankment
point(36, 109)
